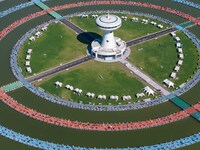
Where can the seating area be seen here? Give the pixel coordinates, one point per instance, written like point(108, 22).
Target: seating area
point(90, 126)
point(188, 3)
point(47, 145)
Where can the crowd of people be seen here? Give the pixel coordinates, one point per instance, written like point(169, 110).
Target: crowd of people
point(52, 146)
point(189, 3)
point(94, 126)
point(17, 7)
point(139, 4)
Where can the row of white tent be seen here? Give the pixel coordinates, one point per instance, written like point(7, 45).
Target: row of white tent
point(76, 90)
point(147, 89)
point(179, 46)
point(38, 34)
point(29, 51)
point(27, 63)
point(124, 18)
point(145, 21)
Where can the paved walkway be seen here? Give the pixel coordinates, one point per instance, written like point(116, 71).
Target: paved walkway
point(72, 26)
point(152, 36)
point(144, 77)
point(193, 111)
point(58, 69)
point(12, 86)
point(45, 7)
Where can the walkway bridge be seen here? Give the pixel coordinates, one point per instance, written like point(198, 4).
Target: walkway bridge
point(187, 107)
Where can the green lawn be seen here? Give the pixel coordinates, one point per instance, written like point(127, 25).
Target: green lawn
point(96, 77)
point(128, 31)
point(159, 57)
point(57, 45)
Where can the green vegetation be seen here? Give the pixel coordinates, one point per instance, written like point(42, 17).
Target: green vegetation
point(56, 45)
point(159, 57)
point(128, 31)
point(60, 45)
point(95, 77)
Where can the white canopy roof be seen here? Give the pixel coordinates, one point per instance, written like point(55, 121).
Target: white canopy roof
point(148, 90)
point(168, 83)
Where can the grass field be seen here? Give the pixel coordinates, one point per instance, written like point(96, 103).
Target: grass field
point(96, 77)
point(128, 31)
point(57, 45)
point(60, 45)
point(159, 57)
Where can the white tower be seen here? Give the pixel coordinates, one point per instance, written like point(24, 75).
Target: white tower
point(108, 48)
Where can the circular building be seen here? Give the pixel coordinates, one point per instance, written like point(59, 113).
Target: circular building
point(108, 48)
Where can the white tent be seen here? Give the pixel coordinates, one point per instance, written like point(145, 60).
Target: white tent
point(148, 90)
point(27, 63)
point(178, 45)
point(116, 98)
point(44, 28)
point(29, 51)
point(38, 34)
point(168, 83)
point(129, 97)
point(177, 39)
point(181, 56)
point(67, 86)
point(124, 98)
point(180, 62)
point(153, 23)
point(32, 38)
point(173, 75)
point(28, 69)
point(160, 26)
point(180, 50)
point(100, 97)
point(112, 97)
point(71, 88)
point(134, 19)
point(76, 90)
point(92, 95)
point(140, 95)
point(177, 68)
point(28, 57)
point(58, 84)
point(80, 91)
point(145, 21)
point(173, 34)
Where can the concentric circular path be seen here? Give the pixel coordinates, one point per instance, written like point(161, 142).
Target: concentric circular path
point(193, 19)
